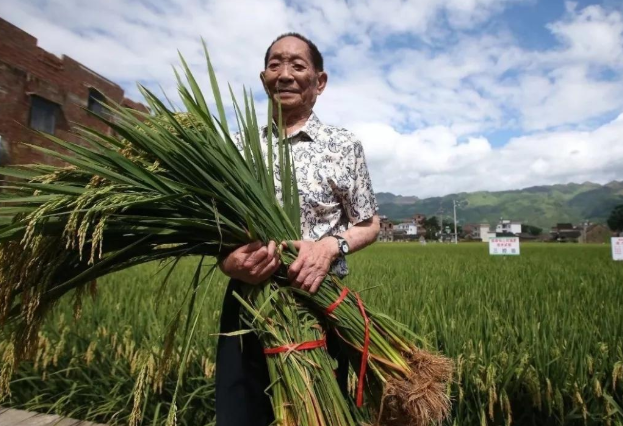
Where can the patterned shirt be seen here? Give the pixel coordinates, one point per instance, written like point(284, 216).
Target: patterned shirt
point(333, 181)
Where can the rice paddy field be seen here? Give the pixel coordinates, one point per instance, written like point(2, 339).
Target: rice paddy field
point(537, 339)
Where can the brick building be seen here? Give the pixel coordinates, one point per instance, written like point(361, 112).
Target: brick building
point(41, 91)
point(419, 219)
point(386, 232)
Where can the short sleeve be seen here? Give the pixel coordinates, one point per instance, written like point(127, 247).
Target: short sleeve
point(358, 197)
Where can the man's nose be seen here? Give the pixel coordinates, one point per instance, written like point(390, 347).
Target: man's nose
point(285, 74)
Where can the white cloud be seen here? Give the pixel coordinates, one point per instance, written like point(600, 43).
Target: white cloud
point(566, 95)
point(421, 108)
point(432, 161)
point(590, 35)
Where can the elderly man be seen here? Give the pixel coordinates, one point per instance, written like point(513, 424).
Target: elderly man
point(338, 217)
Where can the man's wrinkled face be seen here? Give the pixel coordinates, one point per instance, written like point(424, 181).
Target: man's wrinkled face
point(290, 75)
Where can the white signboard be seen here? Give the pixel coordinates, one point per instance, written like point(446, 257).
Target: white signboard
point(617, 248)
point(504, 246)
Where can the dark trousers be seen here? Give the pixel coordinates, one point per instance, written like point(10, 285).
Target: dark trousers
point(242, 374)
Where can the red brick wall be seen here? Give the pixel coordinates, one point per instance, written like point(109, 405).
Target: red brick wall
point(26, 69)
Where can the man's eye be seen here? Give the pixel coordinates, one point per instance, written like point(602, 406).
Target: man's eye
point(299, 67)
point(273, 66)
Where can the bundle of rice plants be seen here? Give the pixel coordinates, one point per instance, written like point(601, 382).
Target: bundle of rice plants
point(173, 185)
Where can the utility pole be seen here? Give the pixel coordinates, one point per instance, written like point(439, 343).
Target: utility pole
point(456, 235)
point(460, 204)
point(440, 216)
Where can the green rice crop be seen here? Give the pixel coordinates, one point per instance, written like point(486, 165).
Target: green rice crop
point(537, 339)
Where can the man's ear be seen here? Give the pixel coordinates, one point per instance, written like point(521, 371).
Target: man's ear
point(263, 78)
point(322, 81)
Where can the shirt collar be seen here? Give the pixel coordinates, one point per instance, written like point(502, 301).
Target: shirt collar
point(310, 129)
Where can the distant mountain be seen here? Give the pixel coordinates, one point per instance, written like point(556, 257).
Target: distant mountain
point(389, 198)
point(542, 206)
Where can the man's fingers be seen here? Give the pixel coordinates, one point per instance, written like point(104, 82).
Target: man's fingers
point(297, 278)
point(304, 279)
point(251, 247)
point(309, 281)
point(294, 269)
point(256, 258)
point(272, 249)
point(260, 272)
point(316, 285)
point(269, 269)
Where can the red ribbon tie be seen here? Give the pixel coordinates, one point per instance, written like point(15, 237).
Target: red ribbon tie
point(366, 339)
point(305, 346)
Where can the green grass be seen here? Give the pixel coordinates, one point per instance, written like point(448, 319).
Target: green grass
point(537, 339)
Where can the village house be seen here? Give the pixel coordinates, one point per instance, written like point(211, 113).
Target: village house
point(506, 226)
point(469, 230)
point(406, 231)
point(409, 228)
point(477, 231)
point(591, 233)
point(40, 91)
point(399, 235)
point(565, 232)
point(419, 219)
point(386, 233)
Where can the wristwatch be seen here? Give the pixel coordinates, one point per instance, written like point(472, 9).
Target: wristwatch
point(342, 245)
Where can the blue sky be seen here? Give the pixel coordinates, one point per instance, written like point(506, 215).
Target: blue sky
point(446, 95)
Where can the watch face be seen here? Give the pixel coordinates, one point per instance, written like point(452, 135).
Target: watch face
point(344, 247)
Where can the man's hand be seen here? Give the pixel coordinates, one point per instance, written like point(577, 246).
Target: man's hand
point(312, 263)
point(253, 263)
